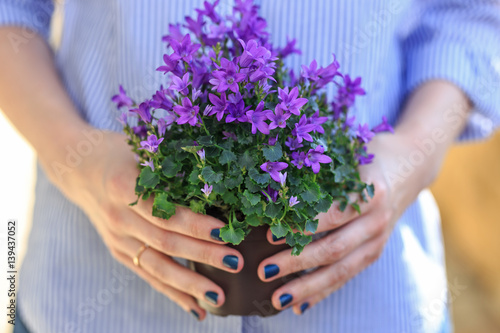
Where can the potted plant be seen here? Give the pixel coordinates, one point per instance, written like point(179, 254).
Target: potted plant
point(234, 133)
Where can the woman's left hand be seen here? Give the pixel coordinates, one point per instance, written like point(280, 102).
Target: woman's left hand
point(354, 241)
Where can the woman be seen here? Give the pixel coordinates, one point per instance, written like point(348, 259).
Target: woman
point(425, 65)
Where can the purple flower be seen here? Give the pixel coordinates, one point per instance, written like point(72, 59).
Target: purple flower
point(316, 120)
point(289, 48)
point(122, 99)
point(270, 194)
point(272, 140)
point(264, 71)
point(227, 77)
point(201, 154)
point(195, 94)
point(253, 52)
point(220, 105)
point(162, 126)
point(123, 118)
point(187, 112)
point(298, 159)
point(328, 73)
point(171, 65)
point(365, 158)
point(150, 164)
point(278, 118)
point(143, 112)
point(348, 92)
point(315, 156)
point(140, 131)
point(364, 134)
point(293, 143)
point(274, 168)
point(151, 144)
point(160, 100)
point(282, 179)
point(257, 119)
point(170, 118)
point(310, 72)
point(290, 102)
point(195, 27)
point(237, 112)
point(207, 190)
point(293, 201)
point(383, 127)
point(174, 32)
point(209, 11)
point(183, 50)
point(349, 122)
point(181, 85)
point(229, 135)
point(302, 129)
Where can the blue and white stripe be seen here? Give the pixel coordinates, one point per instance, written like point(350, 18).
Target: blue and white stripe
point(70, 283)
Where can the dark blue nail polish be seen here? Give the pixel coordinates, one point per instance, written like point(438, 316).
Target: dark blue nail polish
point(304, 307)
point(276, 239)
point(285, 299)
point(230, 261)
point(215, 234)
point(195, 314)
point(211, 296)
point(271, 270)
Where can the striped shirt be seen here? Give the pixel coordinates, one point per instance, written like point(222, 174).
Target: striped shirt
point(70, 283)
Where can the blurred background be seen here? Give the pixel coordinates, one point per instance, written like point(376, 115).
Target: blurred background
point(467, 192)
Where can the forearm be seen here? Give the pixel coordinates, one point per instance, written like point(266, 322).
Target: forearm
point(35, 101)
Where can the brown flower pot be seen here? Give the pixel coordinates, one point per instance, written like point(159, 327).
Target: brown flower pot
point(246, 294)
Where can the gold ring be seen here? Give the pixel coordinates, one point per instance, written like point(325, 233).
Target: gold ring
point(138, 254)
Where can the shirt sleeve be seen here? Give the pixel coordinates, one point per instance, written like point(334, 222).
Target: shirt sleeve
point(458, 41)
point(32, 14)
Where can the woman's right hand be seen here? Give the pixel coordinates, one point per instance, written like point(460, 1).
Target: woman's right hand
point(103, 186)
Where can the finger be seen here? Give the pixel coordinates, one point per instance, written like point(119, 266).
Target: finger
point(184, 222)
point(324, 251)
point(169, 272)
point(185, 301)
point(178, 245)
point(315, 286)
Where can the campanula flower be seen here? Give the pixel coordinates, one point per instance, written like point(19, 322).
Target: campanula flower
point(170, 65)
point(298, 159)
point(302, 129)
point(209, 11)
point(311, 72)
point(289, 48)
point(364, 134)
point(327, 74)
point(207, 190)
point(365, 158)
point(282, 178)
point(227, 77)
point(316, 120)
point(220, 105)
point(162, 126)
point(278, 118)
point(383, 127)
point(347, 93)
point(196, 27)
point(293, 144)
point(270, 194)
point(229, 135)
point(290, 102)
point(201, 154)
point(161, 101)
point(151, 144)
point(183, 50)
point(293, 201)
point(274, 168)
point(150, 164)
point(237, 112)
point(315, 156)
point(122, 99)
point(123, 118)
point(253, 52)
point(257, 119)
point(143, 111)
point(187, 112)
point(180, 85)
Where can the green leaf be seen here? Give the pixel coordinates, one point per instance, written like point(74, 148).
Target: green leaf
point(312, 225)
point(162, 207)
point(355, 205)
point(297, 250)
point(170, 168)
point(370, 189)
point(342, 172)
point(249, 210)
point(246, 161)
point(148, 178)
point(191, 149)
point(226, 157)
point(301, 239)
point(229, 198)
point(273, 153)
point(232, 182)
point(253, 220)
point(219, 188)
point(197, 206)
point(193, 177)
point(273, 210)
point(310, 195)
point(343, 205)
point(205, 140)
point(252, 198)
point(324, 204)
point(231, 235)
point(138, 188)
point(210, 175)
point(251, 186)
point(280, 230)
point(259, 178)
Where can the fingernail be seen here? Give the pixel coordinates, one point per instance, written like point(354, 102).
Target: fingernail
point(211, 296)
point(230, 261)
point(276, 239)
point(215, 234)
point(304, 307)
point(285, 299)
point(195, 314)
point(271, 270)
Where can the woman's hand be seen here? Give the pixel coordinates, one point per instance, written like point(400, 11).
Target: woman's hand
point(433, 118)
point(103, 186)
